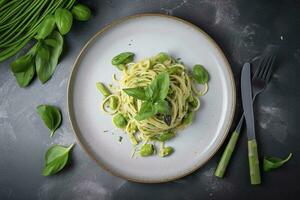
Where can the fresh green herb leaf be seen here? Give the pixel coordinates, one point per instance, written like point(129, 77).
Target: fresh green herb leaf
point(160, 86)
point(46, 27)
point(56, 159)
point(51, 116)
point(147, 150)
point(119, 120)
point(271, 163)
point(24, 78)
point(47, 56)
point(81, 12)
point(147, 110)
point(63, 20)
point(138, 93)
point(162, 106)
point(200, 74)
point(122, 59)
point(22, 63)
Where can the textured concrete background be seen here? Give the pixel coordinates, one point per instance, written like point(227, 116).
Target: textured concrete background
point(242, 28)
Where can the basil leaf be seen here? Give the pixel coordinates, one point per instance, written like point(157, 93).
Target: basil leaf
point(46, 27)
point(122, 59)
point(81, 12)
point(138, 93)
point(56, 159)
point(271, 163)
point(24, 78)
point(63, 20)
point(147, 110)
point(51, 116)
point(22, 63)
point(162, 106)
point(47, 56)
point(160, 86)
point(200, 74)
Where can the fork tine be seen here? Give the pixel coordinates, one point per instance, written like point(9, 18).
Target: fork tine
point(268, 76)
point(267, 67)
point(259, 67)
point(263, 66)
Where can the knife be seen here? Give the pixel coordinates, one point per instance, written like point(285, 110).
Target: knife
point(249, 117)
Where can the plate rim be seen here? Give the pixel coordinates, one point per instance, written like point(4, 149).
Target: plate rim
point(70, 87)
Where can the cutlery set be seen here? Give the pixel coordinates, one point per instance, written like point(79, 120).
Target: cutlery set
point(249, 90)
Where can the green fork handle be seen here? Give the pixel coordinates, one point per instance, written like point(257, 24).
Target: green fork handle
point(223, 163)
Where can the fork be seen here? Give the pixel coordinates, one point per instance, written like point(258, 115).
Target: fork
point(260, 80)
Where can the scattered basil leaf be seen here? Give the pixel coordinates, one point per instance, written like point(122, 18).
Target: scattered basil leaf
point(271, 163)
point(63, 20)
point(200, 74)
point(162, 106)
point(24, 78)
point(122, 59)
point(22, 63)
point(46, 27)
point(147, 110)
point(56, 159)
point(138, 93)
point(160, 86)
point(81, 12)
point(47, 56)
point(51, 116)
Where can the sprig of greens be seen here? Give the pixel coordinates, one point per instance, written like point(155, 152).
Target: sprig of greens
point(22, 21)
point(271, 163)
point(153, 97)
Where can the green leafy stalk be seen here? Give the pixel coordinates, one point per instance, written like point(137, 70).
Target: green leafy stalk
point(271, 163)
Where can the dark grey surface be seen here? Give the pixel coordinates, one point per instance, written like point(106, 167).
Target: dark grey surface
point(242, 29)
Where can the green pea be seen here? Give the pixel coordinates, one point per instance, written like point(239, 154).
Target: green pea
point(200, 74)
point(147, 150)
point(165, 136)
point(122, 59)
point(119, 120)
point(103, 89)
point(188, 118)
point(81, 12)
point(166, 151)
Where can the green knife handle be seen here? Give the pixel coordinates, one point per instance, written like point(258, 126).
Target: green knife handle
point(226, 155)
point(253, 162)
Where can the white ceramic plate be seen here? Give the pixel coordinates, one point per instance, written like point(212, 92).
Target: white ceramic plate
point(146, 35)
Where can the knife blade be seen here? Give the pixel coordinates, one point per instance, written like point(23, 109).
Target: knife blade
point(247, 100)
point(246, 88)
